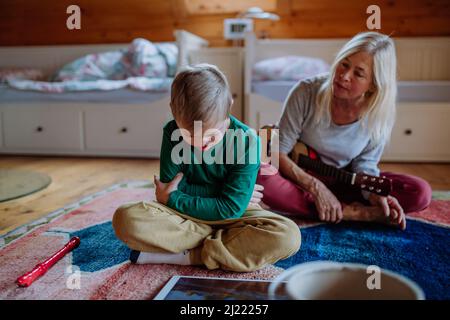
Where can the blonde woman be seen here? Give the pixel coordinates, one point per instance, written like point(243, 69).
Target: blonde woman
point(347, 117)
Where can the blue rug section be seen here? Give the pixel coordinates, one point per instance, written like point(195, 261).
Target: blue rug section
point(421, 252)
point(99, 248)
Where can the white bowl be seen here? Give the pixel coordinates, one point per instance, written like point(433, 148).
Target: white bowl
point(327, 280)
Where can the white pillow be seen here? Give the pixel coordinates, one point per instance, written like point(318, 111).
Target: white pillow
point(289, 68)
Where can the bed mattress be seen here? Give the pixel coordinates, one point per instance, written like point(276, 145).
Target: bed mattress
point(126, 96)
point(418, 91)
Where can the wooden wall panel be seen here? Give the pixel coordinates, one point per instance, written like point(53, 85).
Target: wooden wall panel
point(43, 22)
point(221, 6)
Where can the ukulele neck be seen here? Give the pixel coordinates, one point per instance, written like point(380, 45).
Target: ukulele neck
point(326, 170)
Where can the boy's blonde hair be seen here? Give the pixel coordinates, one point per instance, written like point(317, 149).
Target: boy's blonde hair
point(380, 113)
point(200, 93)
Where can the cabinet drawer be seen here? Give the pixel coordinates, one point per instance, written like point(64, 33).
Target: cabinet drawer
point(421, 133)
point(131, 128)
point(42, 128)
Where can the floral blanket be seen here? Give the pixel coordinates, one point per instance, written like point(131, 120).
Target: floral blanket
point(143, 66)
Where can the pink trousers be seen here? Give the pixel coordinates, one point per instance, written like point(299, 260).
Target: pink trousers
point(284, 196)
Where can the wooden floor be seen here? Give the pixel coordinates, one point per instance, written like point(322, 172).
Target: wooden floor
point(74, 178)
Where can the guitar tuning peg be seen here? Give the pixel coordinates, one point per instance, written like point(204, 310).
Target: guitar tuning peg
point(363, 186)
point(372, 179)
point(370, 188)
point(364, 177)
point(380, 181)
point(378, 190)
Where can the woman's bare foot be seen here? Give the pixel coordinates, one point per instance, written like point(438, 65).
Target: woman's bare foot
point(358, 212)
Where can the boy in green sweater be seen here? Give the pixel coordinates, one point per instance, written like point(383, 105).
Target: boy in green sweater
point(209, 163)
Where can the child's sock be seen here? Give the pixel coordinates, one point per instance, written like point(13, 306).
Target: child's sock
point(139, 257)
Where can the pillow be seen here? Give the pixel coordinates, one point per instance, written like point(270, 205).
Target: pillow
point(289, 68)
point(93, 67)
point(20, 73)
point(143, 60)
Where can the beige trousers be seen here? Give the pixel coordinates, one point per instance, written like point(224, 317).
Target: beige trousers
point(249, 243)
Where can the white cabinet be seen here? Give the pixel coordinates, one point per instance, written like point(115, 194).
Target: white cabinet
point(136, 128)
point(421, 133)
point(230, 62)
point(89, 129)
point(42, 127)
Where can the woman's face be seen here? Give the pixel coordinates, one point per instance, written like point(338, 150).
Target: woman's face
point(353, 76)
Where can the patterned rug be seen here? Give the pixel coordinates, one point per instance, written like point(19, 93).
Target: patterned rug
point(99, 267)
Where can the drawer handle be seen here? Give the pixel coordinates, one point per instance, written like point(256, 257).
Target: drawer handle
point(408, 132)
point(234, 95)
point(124, 130)
point(39, 129)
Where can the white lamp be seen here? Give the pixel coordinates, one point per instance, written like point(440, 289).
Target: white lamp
point(258, 13)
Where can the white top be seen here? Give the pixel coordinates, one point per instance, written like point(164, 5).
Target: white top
point(337, 145)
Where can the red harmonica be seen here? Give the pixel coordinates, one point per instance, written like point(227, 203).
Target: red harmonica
point(41, 268)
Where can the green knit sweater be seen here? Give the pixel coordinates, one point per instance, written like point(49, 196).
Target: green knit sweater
point(212, 190)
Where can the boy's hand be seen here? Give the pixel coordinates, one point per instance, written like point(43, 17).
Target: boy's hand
point(257, 194)
point(163, 190)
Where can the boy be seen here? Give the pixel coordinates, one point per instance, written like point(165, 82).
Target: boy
point(207, 177)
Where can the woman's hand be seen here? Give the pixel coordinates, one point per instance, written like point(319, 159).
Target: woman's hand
point(391, 208)
point(163, 190)
point(257, 194)
point(328, 206)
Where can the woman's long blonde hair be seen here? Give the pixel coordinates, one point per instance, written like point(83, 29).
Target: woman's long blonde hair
point(380, 112)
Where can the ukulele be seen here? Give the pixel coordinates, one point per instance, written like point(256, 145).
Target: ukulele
point(307, 158)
